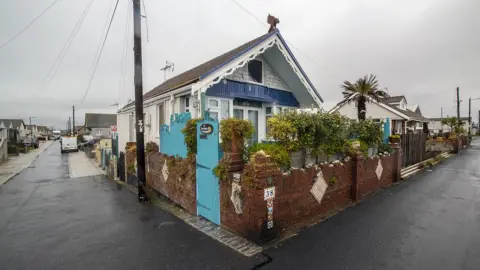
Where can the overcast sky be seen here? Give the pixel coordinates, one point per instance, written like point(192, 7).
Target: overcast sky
point(422, 49)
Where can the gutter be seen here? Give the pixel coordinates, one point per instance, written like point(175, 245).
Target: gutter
point(156, 98)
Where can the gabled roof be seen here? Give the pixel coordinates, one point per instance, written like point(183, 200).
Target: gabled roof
point(407, 114)
point(100, 120)
point(203, 70)
point(16, 123)
point(394, 99)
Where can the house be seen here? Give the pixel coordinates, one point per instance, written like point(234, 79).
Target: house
point(99, 125)
point(31, 129)
point(82, 130)
point(435, 125)
point(403, 118)
point(252, 82)
point(43, 130)
point(15, 128)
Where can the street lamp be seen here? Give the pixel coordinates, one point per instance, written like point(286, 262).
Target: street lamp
point(470, 115)
point(31, 128)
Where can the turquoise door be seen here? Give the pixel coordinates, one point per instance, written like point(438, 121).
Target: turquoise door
point(208, 155)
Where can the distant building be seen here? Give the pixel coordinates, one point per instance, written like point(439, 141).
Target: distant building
point(99, 125)
point(435, 125)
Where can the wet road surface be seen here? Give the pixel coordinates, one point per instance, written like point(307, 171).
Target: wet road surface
point(431, 221)
point(49, 221)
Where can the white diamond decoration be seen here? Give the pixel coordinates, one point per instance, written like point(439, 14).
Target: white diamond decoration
point(379, 169)
point(319, 188)
point(165, 171)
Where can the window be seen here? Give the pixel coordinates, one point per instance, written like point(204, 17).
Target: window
point(268, 114)
point(255, 69)
point(161, 115)
point(219, 108)
point(187, 104)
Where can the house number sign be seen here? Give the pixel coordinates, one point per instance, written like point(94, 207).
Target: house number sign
point(206, 129)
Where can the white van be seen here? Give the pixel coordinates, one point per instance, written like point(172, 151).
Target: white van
point(68, 144)
point(56, 134)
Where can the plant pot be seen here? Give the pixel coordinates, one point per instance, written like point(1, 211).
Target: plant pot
point(394, 140)
point(297, 159)
point(309, 158)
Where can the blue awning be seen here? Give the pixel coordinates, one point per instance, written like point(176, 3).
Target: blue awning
point(232, 89)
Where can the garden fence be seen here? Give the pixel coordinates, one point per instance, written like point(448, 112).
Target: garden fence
point(414, 148)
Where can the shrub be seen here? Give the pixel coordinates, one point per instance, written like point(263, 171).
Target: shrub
point(278, 153)
point(367, 131)
point(385, 147)
point(242, 129)
point(152, 147)
point(190, 136)
point(395, 136)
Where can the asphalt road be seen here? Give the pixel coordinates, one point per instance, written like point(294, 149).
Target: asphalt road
point(49, 221)
point(431, 221)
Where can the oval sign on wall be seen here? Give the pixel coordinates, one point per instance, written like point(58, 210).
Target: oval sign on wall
point(206, 129)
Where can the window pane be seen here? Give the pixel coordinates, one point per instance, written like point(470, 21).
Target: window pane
point(187, 102)
point(253, 117)
point(279, 109)
point(225, 109)
point(268, 110)
point(213, 103)
point(214, 115)
point(255, 70)
point(238, 113)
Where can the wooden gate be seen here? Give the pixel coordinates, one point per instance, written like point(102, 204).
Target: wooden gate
point(414, 148)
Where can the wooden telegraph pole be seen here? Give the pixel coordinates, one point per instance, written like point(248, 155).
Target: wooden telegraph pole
point(137, 49)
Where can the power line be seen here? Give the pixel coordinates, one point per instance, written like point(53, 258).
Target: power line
point(30, 23)
point(291, 44)
point(53, 70)
point(100, 54)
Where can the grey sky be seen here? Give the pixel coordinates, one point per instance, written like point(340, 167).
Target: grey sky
point(423, 49)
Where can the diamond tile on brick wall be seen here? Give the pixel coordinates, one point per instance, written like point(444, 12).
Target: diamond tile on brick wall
point(379, 169)
point(165, 171)
point(318, 189)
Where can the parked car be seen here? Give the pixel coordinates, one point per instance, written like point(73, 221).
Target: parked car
point(30, 142)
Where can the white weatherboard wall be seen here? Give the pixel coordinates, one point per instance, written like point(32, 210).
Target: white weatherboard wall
point(122, 130)
point(373, 110)
point(270, 78)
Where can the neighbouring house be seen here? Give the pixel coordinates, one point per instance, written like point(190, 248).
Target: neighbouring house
point(43, 130)
point(31, 129)
point(252, 82)
point(16, 128)
point(403, 118)
point(82, 130)
point(435, 125)
point(99, 125)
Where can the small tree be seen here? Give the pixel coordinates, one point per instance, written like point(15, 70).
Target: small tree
point(454, 124)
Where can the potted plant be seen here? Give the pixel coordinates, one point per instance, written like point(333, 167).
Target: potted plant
point(395, 138)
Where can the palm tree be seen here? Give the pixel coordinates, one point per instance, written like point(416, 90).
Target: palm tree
point(362, 91)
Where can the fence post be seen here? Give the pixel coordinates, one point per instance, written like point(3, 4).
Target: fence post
point(357, 176)
point(397, 161)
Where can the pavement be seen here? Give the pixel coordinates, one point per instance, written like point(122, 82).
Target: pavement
point(51, 221)
point(81, 166)
point(15, 164)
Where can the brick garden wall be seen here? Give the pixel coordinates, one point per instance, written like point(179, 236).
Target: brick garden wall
point(293, 202)
point(179, 185)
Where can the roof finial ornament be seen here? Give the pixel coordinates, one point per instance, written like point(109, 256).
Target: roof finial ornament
point(273, 22)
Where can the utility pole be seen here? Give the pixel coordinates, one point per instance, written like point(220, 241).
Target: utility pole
point(458, 104)
point(469, 116)
point(137, 51)
point(69, 125)
point(73, 128)
point(31, 128)
point(441, 118)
